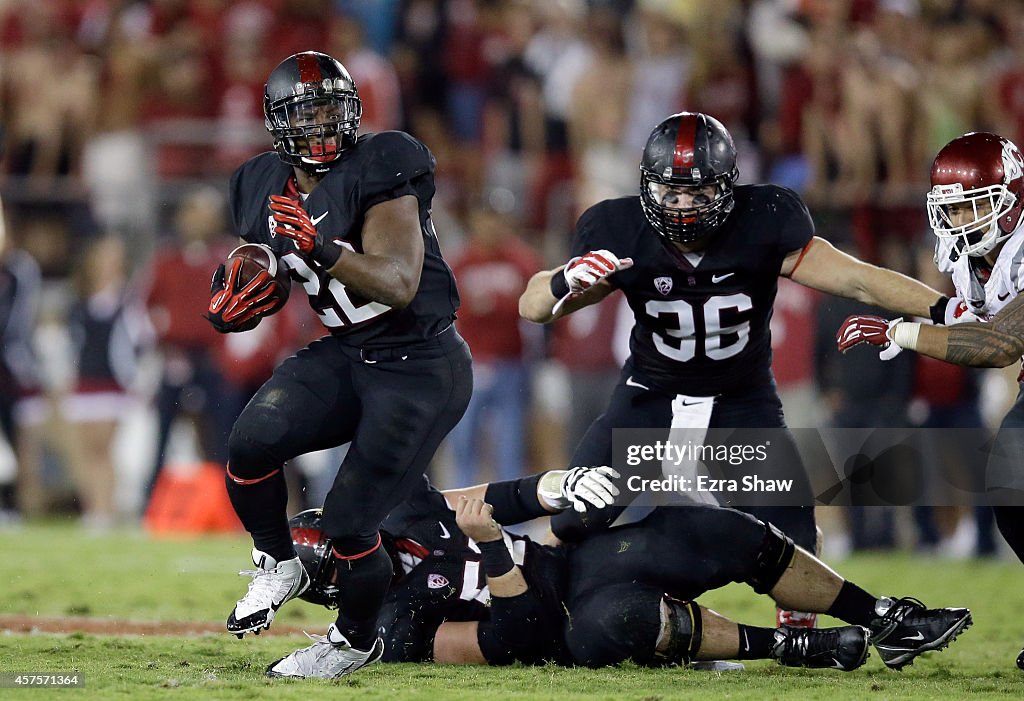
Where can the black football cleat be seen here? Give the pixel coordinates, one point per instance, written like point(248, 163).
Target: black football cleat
point(844, 648)
point(904, 628)
point(1020, 660)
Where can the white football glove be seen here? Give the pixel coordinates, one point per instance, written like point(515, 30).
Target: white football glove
point(581, 487)
point(958, 313)
point(587, 270)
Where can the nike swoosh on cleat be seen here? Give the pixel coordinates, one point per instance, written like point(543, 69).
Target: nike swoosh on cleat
point(917, 636)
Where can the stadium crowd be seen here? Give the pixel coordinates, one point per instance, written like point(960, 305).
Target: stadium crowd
point(123, 119)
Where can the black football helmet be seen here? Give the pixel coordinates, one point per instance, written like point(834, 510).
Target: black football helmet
point(313, 548)
point(689, 149)
point(312, 109)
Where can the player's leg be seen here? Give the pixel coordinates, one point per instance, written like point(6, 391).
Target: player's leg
point(408, 406)
point(1005, 482)
point(639, 623)
point(721, 546)
point(308, 404)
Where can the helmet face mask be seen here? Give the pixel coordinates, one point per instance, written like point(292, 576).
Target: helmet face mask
point(312, 109)
point(977, 195)
point(687, 174)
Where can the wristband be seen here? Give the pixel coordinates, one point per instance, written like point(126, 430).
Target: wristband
point(329, 254)
point(904, 334)
point(937, 311)
point(496, 558)
point(559, 285)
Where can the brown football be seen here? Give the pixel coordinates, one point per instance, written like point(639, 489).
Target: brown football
point(256, 257)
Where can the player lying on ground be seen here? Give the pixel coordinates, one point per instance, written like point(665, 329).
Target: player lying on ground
point(624, 593)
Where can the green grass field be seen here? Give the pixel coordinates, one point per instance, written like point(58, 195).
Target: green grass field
point(54, 571)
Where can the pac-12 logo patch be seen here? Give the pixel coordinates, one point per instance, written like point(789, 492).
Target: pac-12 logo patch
point(663, 285)
point(436, 581)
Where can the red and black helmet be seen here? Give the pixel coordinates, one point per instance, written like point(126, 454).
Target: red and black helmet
point(312, 109)
point(983, 171)
point(689, 149)
point(314, 550)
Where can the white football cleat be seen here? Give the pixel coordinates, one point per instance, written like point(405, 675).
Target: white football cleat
point(273, 583)
point(329, 657)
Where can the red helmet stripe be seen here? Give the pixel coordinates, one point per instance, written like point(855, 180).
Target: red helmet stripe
point(686, 141)
point(309, 69)
point(307, 536)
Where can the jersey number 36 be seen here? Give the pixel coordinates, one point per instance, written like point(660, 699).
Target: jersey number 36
point(714, 333)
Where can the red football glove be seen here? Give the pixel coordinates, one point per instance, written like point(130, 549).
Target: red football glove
point(237, 308)
point(589, 269)
point(293, 222)
point(863, 328)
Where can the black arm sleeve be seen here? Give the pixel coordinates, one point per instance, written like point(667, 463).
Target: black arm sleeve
point(512, 633)
point(515, 501)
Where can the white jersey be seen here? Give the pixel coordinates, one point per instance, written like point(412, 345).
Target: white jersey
point(985, 299)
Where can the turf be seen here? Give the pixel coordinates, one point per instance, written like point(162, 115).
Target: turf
point(54, 570)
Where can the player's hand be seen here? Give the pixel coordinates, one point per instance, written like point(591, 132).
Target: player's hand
point(293, 222)
point(870, 329)
point(587, 270)
point(581, 488)
point(475, 518)
point(234, 307)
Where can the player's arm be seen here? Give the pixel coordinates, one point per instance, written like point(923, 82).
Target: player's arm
point(538, 301)
point(995, 344)
point(527, 498)
point(387, 271)
point(510, 633)
point(821, 266)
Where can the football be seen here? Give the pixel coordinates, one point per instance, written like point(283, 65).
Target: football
point(256, 257)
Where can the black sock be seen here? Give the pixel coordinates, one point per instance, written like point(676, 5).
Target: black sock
point(853, 605)
point(362, 585)
point(755, 643)
point(262, 509)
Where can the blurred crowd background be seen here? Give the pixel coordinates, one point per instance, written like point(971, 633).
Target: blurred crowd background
point(123, 119)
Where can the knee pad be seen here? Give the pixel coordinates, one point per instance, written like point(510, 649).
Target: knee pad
point(254, 444)
point(773, 557)
point(683, 630)
point(614, 624)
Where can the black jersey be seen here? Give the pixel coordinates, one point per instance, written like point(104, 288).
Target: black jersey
point(379, 167)
point(702, 320)
point(442, 565)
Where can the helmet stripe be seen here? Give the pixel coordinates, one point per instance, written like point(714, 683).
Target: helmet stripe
point(686, 141)
point(309, 68)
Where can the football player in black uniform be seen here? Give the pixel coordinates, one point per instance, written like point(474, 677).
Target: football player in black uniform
point(624, 593)
point(698, 258)
point(350, 217)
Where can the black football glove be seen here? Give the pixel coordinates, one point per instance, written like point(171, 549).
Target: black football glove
point(234, 307)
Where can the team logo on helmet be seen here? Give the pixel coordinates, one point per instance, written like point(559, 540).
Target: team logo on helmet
point(663, 285)
point(436, 581)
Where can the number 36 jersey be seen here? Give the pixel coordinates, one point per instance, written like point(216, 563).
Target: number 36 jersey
point(378, 168)
point(701, 319)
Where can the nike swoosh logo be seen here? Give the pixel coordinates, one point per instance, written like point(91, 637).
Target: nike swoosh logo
point(631, 383)
point(317, 220)
point(1002, 298)
point(689, 403)
point(444, 531)
point(718, 278)
point(917, 636)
